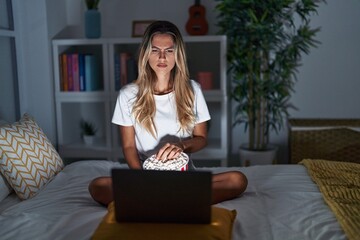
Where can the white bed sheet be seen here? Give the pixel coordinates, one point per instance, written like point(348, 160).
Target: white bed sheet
point(281, 202)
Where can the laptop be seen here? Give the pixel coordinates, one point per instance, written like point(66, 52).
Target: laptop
point(162, 196)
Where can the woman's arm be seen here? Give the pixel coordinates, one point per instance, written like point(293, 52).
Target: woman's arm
point(127, 134)
point(198, 141)
point(194, 144)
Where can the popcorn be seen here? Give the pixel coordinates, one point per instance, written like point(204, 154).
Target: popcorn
point(178, 164)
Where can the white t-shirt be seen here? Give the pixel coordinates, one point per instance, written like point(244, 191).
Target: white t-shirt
point(165, 120)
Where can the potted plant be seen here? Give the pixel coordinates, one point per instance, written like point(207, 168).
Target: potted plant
point(92, 19)
point(266, 40)
point(88, 131)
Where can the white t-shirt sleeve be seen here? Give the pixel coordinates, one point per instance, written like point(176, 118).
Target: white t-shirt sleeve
point(123, 107)
point(201, 109)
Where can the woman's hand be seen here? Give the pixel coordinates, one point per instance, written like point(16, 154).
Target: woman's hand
point(169, 151)
point(194, 144)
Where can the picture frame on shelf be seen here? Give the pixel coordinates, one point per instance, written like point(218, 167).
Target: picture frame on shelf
point(139, 27)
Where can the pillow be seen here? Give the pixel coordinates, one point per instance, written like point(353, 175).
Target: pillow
point(28, 160)
point(220, 228)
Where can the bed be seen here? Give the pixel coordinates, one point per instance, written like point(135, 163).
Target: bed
point(281, 202)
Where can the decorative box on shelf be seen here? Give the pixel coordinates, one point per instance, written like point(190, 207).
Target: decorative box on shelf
point(329, 139)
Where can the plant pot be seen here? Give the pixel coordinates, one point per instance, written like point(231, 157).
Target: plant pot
point(250, 157)
point(89, 139)
point(92, 23)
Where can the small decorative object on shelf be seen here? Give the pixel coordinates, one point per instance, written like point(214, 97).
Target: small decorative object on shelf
point(88, 131)
point(197, 24)
point(206, 80)
point(92, 19)
point(139, 27)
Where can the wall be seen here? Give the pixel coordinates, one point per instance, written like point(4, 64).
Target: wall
point(329, 80)
point(36, 93)
point(37, 22)
point(117, 16)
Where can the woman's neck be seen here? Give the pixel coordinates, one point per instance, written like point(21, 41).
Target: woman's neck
point(163, 90)
point(163, 86)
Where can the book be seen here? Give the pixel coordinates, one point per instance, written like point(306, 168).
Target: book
point(92, 77)
point(75, 71)
point(117, 72)
point(132, 70)
point(123, 68)
point(82, 72)
point(61, 79)
point(70, 80)
point(65, 73)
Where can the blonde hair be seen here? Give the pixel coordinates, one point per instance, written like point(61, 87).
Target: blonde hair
point(144, 108)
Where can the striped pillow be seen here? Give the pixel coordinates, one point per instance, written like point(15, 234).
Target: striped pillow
point(28, 160)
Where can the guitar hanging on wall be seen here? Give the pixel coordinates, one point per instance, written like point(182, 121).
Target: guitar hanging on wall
point(197, 24)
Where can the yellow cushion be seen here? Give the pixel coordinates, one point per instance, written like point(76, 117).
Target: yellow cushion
point(28, 160)
point(219, 228)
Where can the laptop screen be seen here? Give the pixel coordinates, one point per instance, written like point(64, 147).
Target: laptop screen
point(162, 196)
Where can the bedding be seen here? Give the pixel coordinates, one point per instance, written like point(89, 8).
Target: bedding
point(340, 184)
point(5, 189)
point(281, 202)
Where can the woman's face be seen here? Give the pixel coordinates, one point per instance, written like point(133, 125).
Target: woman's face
point(162, 56)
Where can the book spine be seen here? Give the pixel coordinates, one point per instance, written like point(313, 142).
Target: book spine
point(88, 74)
point(82, 72)
point(70, 72)
point(132, 71)
point(92, 77)
point(75, 67)
point(123, 67)
point(96, 74)
point(117, 72)
point(64, 71)
point(61, 66)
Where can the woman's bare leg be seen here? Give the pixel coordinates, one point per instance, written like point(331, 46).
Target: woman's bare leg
point(101, 190)
point(228, 185)
point(225, 186)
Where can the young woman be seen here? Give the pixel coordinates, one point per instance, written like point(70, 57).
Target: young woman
point(164, 113)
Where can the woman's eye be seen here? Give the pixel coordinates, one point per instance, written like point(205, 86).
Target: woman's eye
point(169, 50)
point(154, 50)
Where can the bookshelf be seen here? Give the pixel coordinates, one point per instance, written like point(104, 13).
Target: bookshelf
point(206, 59)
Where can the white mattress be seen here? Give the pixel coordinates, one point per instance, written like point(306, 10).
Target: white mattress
point(281, 202)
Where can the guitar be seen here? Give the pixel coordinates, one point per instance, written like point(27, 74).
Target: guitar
point(197, 24)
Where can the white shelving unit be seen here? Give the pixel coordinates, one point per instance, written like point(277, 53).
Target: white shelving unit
point(205, 53)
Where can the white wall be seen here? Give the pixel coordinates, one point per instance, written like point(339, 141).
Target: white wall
point(36, 93)
point(7, 107)
point(34, 59)
point(117, 16)
point(328, 82)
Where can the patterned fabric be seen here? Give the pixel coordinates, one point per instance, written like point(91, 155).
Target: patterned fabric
point(28, 160)
point(339, 183)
